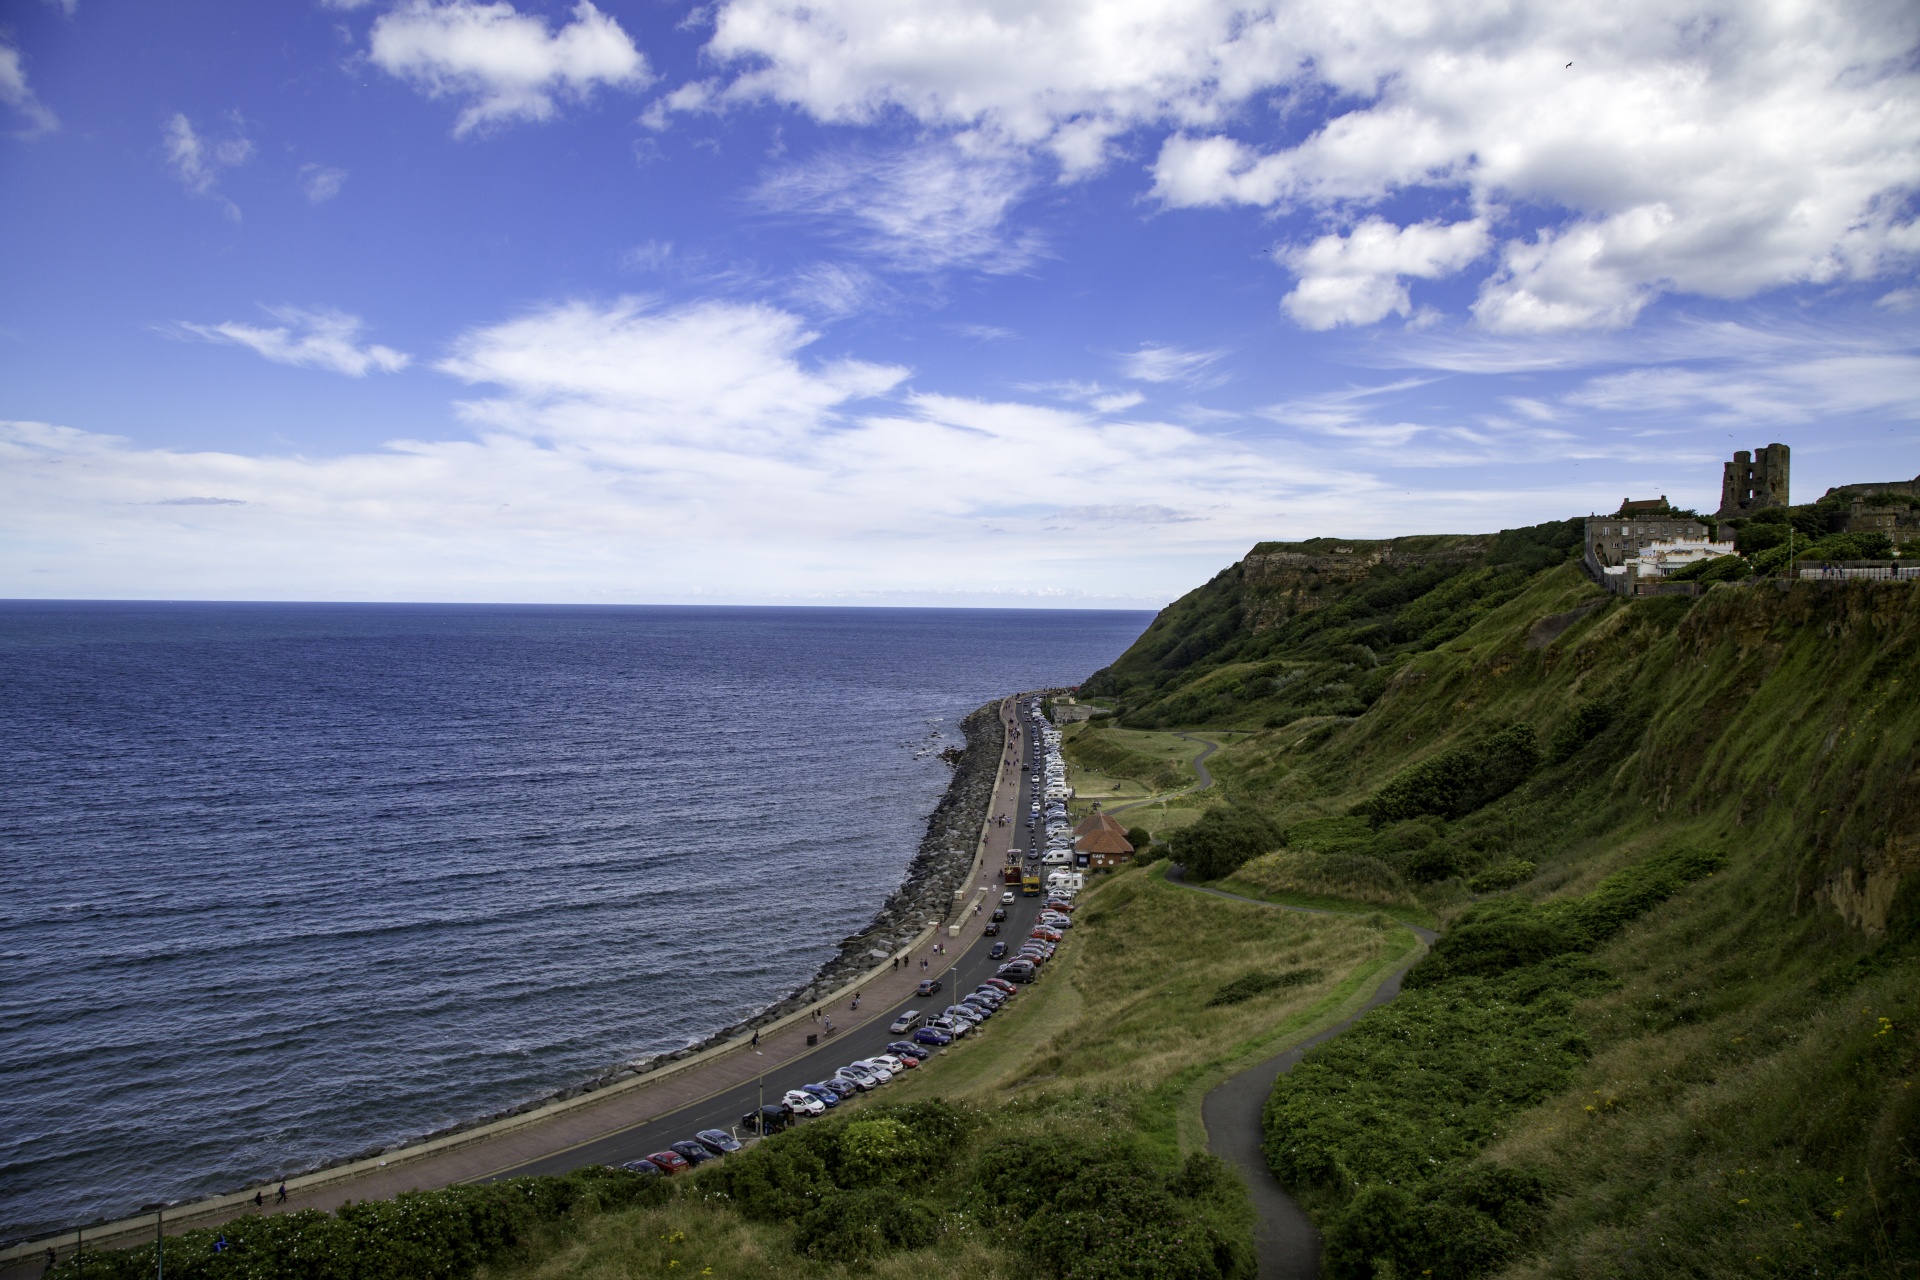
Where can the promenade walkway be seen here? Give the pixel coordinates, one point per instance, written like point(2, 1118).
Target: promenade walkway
point(543, 1138)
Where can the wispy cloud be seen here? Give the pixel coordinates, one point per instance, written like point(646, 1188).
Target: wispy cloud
point(321, 182)
point(17, 94)
point(324, 339)
point(1153, 363)
point(924, 209)
point(198, 161)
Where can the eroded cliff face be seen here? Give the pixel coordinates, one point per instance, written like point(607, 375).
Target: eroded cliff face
point(1285, 579)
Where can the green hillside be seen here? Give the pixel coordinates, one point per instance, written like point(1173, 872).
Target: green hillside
point(1670, 1027)
point(1319, 627)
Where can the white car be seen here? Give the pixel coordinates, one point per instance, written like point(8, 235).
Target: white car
point(1006, 899)
point(804, 1103)
point(890, 1062)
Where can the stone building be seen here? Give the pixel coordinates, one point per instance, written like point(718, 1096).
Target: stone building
point(1754, 481)
point(1612, 540)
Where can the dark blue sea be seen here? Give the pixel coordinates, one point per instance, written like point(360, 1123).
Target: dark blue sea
point(282, 882)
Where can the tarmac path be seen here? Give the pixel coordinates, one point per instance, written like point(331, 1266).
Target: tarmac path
point(1286, 1242)
point(712, 1092)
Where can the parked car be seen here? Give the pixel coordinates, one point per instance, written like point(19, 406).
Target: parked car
point(1001, 984)
point(879, 1070)
point(955, 1027)
point(928, 986)
point(693, 1152)
point(969, 1012)
point(847, 1085)
point(803, 1103)
point(643, 1166)
point(718, 1140)
point(1017, 971)
point(906, 1022)
point(931, 1036)
point(670, 1161)
point(997, 951)
point(892, 1063)
point(825, 1092)
point(864, 1079)
point(1046, 932)
point(906, 1049)
point(771, 1118)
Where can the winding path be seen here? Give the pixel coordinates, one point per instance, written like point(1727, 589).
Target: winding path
point(1199, 770)
point(1286, 1241)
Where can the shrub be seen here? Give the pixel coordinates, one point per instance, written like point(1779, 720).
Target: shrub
point(1223, 839)
point(1456, 782)
point(849, 1226)
point(427, 1235)
point(1502, 875)
point(1249, 985)
point(1139, 838)
point(1588, 721)
point(1717, 569)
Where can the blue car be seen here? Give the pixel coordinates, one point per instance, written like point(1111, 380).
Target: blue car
point(931, 1035)
point(644, 1166)
point(823, 1092)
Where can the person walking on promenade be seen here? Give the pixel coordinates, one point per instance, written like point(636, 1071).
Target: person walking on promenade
point(259, 1201)
point(856, 1002)
point(756, 1037)
point(282, 1197)
point(829, 1022)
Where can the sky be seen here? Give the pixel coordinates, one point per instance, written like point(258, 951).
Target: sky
point(1025, 303)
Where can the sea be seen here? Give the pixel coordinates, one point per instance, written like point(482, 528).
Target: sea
point(285, 882)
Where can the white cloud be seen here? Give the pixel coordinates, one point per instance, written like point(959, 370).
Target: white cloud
point(1155, 363)
point(926, 208)
point(15, 92)
point(198, 161)
point(315, 339)
point(1708, 147)
point(507, 65)
point(636, 452)
point(321, 182)
point(1357, 278)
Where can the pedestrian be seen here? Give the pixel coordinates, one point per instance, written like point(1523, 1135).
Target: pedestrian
point(282, 1197)
point(259, 1201)
point(856, 1002)
point(50, 1262)
point(829, 1026)
point(756, 1037)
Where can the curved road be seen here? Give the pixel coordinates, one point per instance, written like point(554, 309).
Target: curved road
point(1286, 1242)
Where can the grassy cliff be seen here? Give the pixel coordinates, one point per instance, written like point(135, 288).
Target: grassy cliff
point(1722, 1080)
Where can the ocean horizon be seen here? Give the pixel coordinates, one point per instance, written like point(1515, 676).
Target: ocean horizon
point(288, 881)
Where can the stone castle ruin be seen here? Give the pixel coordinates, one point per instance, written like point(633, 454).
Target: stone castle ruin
point(1754, 481)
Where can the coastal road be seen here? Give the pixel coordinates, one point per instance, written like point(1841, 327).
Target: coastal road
point(1286, 1243)
point(724, 1109)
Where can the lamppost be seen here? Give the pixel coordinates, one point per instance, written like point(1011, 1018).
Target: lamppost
point(159, 1245)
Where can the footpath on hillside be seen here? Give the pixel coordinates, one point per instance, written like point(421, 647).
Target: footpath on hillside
point(1286, 1242)
point(491, 1149)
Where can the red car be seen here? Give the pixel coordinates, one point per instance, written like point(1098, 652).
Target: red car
point(1001, 984)
point(1043, 932)
point(670, 1161)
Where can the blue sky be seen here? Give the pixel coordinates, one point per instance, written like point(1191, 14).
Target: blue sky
point(920, 301)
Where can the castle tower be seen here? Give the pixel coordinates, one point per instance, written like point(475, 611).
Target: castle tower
point(1753, 481)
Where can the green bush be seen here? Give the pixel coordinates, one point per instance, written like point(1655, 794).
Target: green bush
point(1589, 720)
point(1456, 782)
point(427, 1235)
point(850, 1226)
point(1716, 569)
point(1502, 875)
point(1223, 839)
